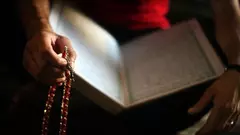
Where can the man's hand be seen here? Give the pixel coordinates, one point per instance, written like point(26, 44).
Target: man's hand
point(221, 92)
point(42, 60)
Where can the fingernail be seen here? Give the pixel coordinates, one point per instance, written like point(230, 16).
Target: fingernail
point(60, 55)
point(192, 111)
point(63, 61)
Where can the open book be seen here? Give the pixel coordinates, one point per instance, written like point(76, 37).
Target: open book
point(147, 68)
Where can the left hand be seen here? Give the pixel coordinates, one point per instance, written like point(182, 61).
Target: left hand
point(221, 92)
point(41, 57)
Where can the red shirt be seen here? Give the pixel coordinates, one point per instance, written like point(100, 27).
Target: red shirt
point(133, 14)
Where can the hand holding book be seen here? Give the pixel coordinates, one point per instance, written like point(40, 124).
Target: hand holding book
point(221, 93)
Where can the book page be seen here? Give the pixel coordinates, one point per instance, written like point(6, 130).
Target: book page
point(98, 54)
point(165, 62)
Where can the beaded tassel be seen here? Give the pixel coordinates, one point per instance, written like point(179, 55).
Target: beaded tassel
point(48, 106)
point(64, 104)
point(65, 101)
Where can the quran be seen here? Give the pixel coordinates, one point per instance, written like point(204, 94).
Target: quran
point(147, 68)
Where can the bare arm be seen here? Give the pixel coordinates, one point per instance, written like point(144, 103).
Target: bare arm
point(34, 15)
point(226, 17)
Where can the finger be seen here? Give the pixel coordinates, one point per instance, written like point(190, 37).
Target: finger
point(71, 54)
point(215, 121)
point(51, 74)
point(60, 44)
point(72, 57)
point(52, 57)
point(54, 72)
point(63, 41)
point(72, 65)
point(52, 81)
point(202, 103)
point(58, 81)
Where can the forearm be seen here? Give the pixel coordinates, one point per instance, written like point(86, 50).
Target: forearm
point(34, 15)
point(226, 17)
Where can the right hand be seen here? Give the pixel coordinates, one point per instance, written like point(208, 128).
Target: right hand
point(41, 57)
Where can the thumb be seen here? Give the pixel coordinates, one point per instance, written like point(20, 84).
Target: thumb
point(61, 42)
point(52, 57)
point(202, 103)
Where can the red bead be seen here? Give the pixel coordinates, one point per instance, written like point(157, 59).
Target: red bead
point(65, 113)
point(66, 100)
point(64, 106)
point(64, 129)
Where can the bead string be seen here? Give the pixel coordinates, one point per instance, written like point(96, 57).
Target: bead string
point(65, 102)
point(64, 105)
point(48, 106)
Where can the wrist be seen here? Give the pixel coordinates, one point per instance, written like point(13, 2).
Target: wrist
point(234, 70)
point(35, 26)
point(234, 74)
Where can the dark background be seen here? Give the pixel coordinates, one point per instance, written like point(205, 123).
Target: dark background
point(13, 78)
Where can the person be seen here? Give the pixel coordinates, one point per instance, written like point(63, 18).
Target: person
point(127, 20)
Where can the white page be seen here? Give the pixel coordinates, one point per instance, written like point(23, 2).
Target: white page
point(163, 62)
point(98, 53)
